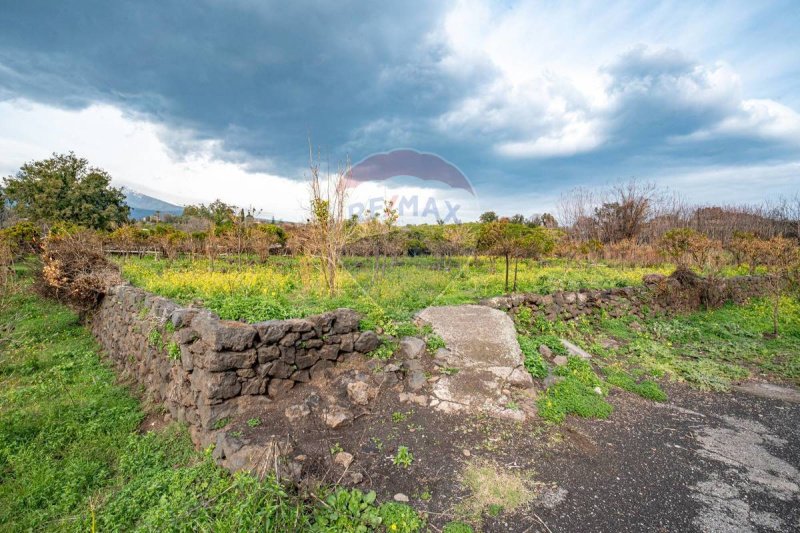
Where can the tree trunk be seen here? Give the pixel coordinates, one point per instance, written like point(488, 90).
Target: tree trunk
point(507, 265)
point(516, 265)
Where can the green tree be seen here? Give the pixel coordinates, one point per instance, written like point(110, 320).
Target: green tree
point(64, 188)
point(221, 215)
point(499, 238)
point(488, 216)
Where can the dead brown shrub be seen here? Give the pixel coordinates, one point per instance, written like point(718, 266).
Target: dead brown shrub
point(6, 261)
point(75, 270)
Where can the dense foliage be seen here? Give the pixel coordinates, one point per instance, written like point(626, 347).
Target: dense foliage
point(65, 189)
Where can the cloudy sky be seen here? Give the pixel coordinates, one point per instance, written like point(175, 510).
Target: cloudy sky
point(194, 100)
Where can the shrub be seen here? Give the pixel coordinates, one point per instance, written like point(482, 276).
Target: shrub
point(22, 238)
point(75, 270)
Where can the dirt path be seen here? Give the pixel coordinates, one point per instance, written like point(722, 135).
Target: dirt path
point(702, 462)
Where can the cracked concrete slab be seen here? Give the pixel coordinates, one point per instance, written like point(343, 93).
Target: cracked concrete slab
point(485, 358)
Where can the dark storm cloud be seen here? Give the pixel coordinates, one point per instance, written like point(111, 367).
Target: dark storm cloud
point(261, 78)
point(369, 77)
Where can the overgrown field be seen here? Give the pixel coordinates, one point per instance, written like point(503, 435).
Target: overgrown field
point(287, 287)
point(72, 458)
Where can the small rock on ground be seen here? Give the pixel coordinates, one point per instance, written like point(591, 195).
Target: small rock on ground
point(575, 350)
point(343, 458)
point(296, 412)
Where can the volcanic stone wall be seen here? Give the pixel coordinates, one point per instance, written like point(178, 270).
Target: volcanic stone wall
point(203, 368)
point(659, 295)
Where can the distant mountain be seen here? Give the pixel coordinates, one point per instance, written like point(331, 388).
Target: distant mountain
point(144, 206)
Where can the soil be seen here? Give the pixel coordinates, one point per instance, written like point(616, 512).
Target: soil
point(700, 462)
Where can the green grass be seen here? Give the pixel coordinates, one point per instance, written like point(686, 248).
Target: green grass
point(646, 388)
point(289, 287)
point(72, 458)
point(534, 362)
point(572, 397)
point(575, 394)
point(706, 349)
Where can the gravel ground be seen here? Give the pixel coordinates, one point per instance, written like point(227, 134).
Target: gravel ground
point(702, 462)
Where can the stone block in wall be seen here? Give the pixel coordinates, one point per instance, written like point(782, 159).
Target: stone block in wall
point(318, 371)
point(322, 323)
point(221, 361)
point(279, 387)
point(256, 385)
point(280, 369)
point(300, 325)
point(301, 376)
point(271, 331)
point(216, 385)
point(268, 353)
point(367, 341)
point(185, 336)
point(210, 414)
point(331, 351)
point(223, 334)
point(307, 359)
point(345, 321)
point(314, 343)
point(182, 317)
point(347, 340)
point(289, 339)
point(246, 373)
point(288, 354)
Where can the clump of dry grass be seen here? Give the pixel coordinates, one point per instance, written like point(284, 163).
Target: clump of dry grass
point(494, 489)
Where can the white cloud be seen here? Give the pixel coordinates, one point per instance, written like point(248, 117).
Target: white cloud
point(133, 151)
point(565, 86)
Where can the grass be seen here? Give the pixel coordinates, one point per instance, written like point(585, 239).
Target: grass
point(575, 394)
point(534, 362)
point(287, 287)
point(707, 349)
point(492, 490)
point(646, 389)
point(72, 458)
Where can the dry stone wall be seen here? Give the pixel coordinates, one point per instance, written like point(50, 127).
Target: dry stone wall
point(204, 369)
point(658, 295)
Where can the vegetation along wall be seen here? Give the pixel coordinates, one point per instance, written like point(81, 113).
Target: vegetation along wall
point(683, 291)
point(203, 368)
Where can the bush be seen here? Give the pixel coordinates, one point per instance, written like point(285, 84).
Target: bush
point(75, 270)
point(22, 238)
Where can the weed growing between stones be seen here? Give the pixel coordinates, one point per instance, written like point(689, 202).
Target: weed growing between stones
point(534, 362)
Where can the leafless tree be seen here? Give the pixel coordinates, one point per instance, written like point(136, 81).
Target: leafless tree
point(327, 231)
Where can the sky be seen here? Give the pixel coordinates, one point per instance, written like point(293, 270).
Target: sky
point(195, 100)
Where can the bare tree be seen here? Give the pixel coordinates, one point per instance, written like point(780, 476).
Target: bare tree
point(328, 230)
